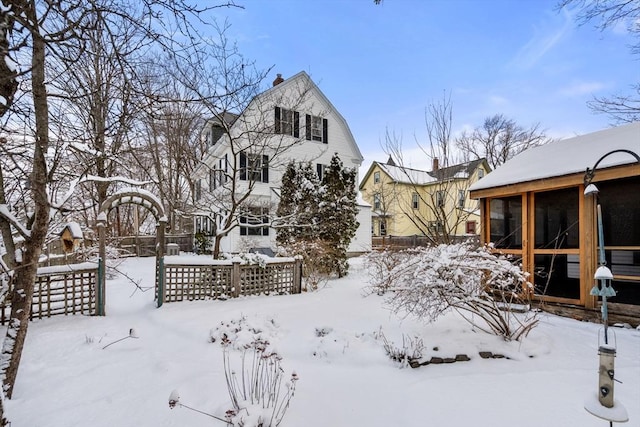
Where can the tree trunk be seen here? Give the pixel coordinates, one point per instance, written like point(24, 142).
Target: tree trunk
point(24, 279)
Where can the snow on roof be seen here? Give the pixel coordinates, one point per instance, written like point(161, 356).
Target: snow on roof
point(401, 174)
point(75, 229)
point(421, 177)
point(565, 157)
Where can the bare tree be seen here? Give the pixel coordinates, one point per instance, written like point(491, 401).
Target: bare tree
point(499, 139)
point(244, 143)
point(43, 34)
point(431, 200)
point(622, 108)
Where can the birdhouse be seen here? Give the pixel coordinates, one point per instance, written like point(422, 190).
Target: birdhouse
point(71, 237)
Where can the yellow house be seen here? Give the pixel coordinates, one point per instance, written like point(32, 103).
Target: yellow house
point(434, 204)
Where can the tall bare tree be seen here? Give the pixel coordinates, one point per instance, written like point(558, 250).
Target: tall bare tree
point(499, 139)
point(41, 34)
point(244, 143)
point(625, 107)
point(430, 200)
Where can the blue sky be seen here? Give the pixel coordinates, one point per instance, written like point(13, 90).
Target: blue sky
point(382, 65)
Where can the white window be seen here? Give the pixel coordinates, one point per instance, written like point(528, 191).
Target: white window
point(251, 221)
point(415, 200)
point(254, 167)
point(462, 197)
point(316, 128)
point(287, 122)
point(376, 177)
point(376, 201)
point(436, 226)
point(383, 227)
point(440, 198)
point(480, 173)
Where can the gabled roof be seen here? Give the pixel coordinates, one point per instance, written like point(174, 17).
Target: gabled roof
point(406, 175)
point(228, 117)
point(566, 157)
point(462, 170)
point(297, 79)
point(304, 77)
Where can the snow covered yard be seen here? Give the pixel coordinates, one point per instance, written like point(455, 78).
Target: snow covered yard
point(331, 338)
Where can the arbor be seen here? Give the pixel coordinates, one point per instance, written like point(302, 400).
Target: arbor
point(46, 39)
point(622, 108)
point(499, 139)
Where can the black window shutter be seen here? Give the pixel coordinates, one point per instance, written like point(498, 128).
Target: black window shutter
point(325, 134)
point(265, 230)
point(265, 168)
point(296, 124)
point(276, 129)
point(307, 125)
point(319, 170)
point(243, 166)
point(226, 167)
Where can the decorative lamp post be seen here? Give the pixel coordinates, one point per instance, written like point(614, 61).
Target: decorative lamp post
point(605, 407)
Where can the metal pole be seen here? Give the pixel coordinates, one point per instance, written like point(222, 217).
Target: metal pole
point(102, 269)
point(603, 282)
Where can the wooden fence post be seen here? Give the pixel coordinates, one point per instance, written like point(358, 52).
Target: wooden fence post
point(297, 276)
point(235, 279)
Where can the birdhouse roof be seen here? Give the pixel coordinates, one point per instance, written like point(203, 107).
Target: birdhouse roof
point(75, 230)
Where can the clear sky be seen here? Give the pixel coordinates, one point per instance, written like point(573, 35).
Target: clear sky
point(382, 65)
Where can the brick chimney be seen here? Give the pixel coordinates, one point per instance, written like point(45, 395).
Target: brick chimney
point(278, 80)
point(435, 165)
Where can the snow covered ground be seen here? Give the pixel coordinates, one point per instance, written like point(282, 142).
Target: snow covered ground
point(331, 338)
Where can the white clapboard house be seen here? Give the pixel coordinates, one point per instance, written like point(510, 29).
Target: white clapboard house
point(248, 153)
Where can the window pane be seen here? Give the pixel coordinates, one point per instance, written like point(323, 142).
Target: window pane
point(620, 202)
point(556, 222)
point(286, 121)
point(557, 276)
point(506, 222)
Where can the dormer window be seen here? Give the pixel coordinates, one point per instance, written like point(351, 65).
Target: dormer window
point(480, 173)
point(316, 129)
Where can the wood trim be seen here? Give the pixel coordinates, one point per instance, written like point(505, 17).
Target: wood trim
point(575, 251)
point(558, 182)
point(623, 277)
point(547, 298)
point(621, 248)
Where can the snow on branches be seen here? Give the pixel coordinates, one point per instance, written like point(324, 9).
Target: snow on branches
point(484, 288)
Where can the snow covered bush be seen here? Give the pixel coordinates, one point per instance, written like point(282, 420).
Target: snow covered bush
point(481, 286)
point(381, 263)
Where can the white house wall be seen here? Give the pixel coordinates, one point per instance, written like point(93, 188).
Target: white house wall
point(260, 115)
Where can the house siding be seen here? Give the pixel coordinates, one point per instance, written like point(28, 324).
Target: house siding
point(339, 141)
